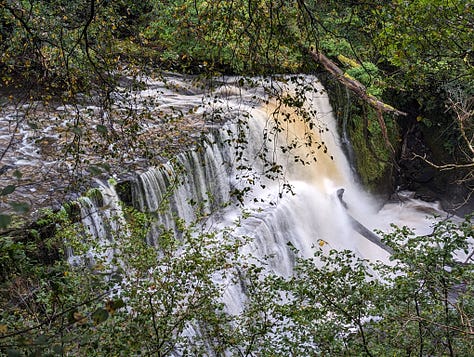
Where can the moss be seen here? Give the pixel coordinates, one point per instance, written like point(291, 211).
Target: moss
point(73, 211)
point(370, 170)
point(373, 157)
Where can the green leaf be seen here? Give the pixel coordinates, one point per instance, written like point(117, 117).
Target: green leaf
point(101, 129)
point(13, 353)
point(7, 190)
point(116, 278)
point(118, 304)
point(76, 130)
point(41, 340)
point(58, 349)
point(113, 305)
point(33, 125)
point(105, 166)
point(100, 315)
point(17, 174)
point(5, 220)
point(20, 207)
point(94, 170)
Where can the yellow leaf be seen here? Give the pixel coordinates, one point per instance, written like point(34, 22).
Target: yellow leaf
point(348, 61)
point(3, 329)
point(99, 267)
point(109, 306)
point(80, 318)
point(347, 75)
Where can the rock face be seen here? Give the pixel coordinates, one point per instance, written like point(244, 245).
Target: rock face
point(405, 171)
point(414, 171)
point(429, 183)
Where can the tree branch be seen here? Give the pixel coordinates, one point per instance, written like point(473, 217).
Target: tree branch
point(360, 91)
point(445, 167)
point(354, 85)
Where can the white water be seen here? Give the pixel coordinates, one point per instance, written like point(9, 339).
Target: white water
point(103, 223)
point(308, 216)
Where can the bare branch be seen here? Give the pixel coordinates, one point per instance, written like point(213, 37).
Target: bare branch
point(445, 167)
point(462, 107)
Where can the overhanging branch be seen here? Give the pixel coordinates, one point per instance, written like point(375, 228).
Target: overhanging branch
point(359, 90)
point(354, 85)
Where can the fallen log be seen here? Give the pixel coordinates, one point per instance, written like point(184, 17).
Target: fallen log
point(361, 229)
point(353, 84)
point(359, 90)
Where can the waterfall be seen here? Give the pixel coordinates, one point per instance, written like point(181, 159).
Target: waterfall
point(264, 187)
point(291, 164)
point(198, 181)
point(103, 222)
point(280, 152)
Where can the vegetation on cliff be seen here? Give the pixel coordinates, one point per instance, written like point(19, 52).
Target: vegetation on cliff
point(122, 296)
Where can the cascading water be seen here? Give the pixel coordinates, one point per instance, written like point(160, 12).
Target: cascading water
point(290, 144)
point(198, 180)
point(274, 172)
point(102, 219)
point(268, 185)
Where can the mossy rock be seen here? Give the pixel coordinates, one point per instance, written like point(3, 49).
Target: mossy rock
point(372, 158)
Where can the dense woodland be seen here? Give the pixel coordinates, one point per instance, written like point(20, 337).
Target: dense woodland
point(400, 75)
